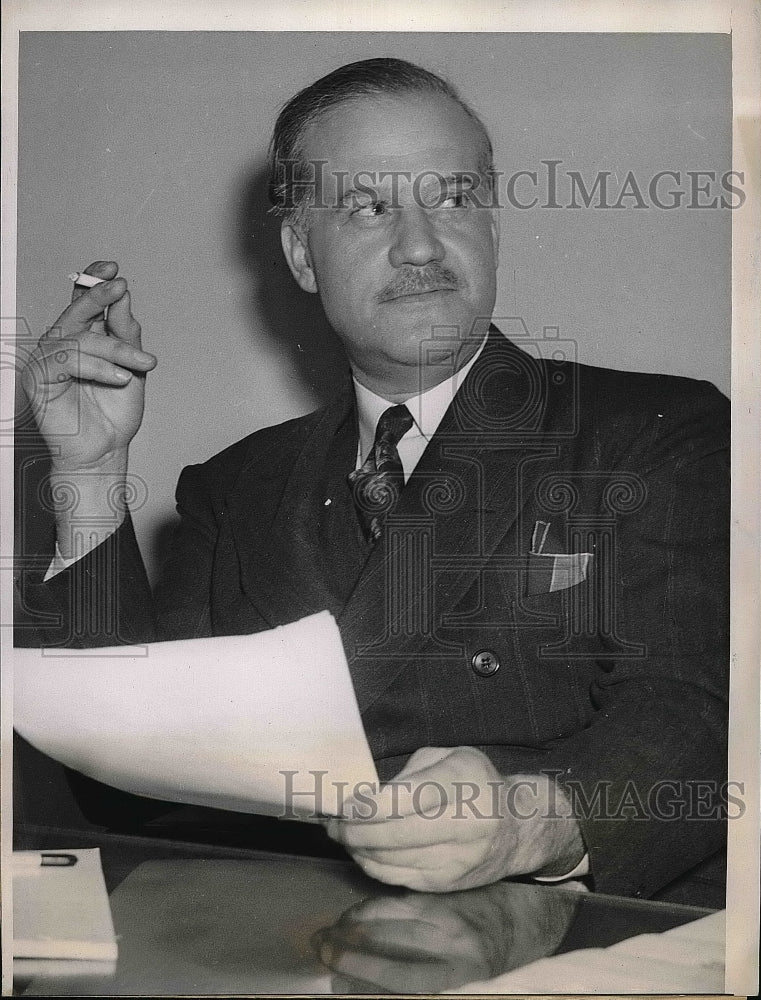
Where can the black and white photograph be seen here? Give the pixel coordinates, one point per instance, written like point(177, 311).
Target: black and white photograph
point(381, 542)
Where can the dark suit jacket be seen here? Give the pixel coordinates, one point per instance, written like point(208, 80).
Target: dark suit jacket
point(616, 684)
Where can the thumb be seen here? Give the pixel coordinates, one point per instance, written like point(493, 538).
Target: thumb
point(424, 758)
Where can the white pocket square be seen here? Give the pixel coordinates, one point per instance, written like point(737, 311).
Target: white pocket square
point(552, 571)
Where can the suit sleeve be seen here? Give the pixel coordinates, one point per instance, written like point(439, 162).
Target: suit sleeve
point(647, 773)
point(105, 598)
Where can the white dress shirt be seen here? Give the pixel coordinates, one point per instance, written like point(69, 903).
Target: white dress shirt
point(427, 409)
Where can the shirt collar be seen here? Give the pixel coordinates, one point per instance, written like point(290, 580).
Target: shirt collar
point(427, 408)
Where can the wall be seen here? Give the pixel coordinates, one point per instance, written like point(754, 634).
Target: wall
point(148, 148)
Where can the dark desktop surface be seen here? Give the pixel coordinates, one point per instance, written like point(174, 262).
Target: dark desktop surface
point(195, 918)
point(212, 902)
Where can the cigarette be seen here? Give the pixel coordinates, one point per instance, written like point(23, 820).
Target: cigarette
point(80, 278)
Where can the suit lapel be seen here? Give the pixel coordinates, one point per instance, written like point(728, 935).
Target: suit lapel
point(277, 529)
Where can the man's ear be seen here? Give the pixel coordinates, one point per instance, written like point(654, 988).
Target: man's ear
point(296, 250)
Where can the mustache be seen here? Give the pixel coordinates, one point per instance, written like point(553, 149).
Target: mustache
point(416, 280)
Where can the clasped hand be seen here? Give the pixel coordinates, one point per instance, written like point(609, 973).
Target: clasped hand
point(450, 821)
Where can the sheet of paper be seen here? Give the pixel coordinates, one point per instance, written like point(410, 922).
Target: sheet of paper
point(687, 959)
point(222, 722)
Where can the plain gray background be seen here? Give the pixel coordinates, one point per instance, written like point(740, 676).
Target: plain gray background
point(148, 148)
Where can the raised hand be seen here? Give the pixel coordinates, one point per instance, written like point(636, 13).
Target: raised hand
point(86, 385)
point(86, 379)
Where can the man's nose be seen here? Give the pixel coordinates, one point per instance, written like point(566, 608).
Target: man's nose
point(415, 239)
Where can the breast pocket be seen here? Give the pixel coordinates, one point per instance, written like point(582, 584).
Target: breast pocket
point(547, 573)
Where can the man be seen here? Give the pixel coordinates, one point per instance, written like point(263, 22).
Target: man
point(526, 559)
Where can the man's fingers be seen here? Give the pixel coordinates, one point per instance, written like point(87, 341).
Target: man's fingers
point(64, 366)
point(121, 322)
point(448, 861)
point(435, 795)
point(119, 351)
point(70, 352)
point(413, 878)
point(87, 307)
point(401, 857)
point(394, 834)
point(105, 269)
point(104, 360)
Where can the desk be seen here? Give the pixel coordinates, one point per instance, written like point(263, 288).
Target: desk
point(199, 919)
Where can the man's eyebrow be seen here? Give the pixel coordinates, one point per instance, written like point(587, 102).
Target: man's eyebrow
point(462, 179)
point(458, 178)
point(366, 191)
point(469, 177)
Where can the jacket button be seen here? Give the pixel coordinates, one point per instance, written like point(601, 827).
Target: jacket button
point(485, 663)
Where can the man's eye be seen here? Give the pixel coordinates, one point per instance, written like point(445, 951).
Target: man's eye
point(457, 200)
point(370, 210)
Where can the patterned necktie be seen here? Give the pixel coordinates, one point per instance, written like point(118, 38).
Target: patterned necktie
point(378, 484)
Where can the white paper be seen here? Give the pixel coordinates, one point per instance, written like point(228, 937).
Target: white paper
point(687, 959)
point(211, 722)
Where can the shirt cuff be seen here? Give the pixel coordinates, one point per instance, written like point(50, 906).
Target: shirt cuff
point(59, 562)
point(581, 869)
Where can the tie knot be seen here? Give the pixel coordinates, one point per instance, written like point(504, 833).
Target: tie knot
point(393, 425)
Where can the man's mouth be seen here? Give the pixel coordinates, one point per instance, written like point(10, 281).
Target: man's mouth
point(419, 281)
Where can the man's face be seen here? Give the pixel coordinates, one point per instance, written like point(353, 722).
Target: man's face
point(397, 244)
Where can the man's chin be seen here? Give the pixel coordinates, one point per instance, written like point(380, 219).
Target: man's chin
point(432, 346)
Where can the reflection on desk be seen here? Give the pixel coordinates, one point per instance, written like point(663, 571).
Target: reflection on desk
point(266, 923)
point(427, 943)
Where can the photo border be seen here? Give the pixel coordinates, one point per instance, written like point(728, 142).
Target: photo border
point(742, 20)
